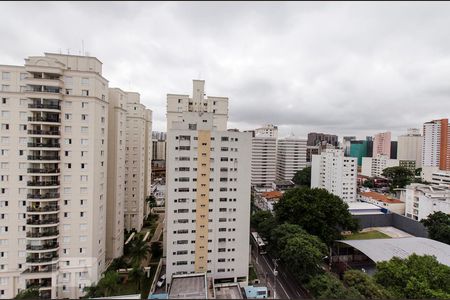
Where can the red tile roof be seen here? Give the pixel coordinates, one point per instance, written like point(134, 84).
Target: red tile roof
point(272, 195)
point(380, 197)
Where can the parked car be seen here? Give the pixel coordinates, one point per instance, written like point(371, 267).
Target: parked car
point(161, 281)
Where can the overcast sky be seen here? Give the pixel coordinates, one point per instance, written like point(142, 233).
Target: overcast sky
point(342, 68)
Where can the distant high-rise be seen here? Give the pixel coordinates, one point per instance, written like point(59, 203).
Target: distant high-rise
point(374, 166)
point(264, 156)
point(382, 144)
point(336, 173)
point(346, 144)
point(436, 144)
point(315, 138)
point(208, 189)
point(410, 146)
point(291, 157)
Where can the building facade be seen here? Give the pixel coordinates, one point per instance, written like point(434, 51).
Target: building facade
point(436, 144)
point(315, 138)
point(382, 144)
point(422, 200)
point(208, 189)
point(410, 146)
point(264, 160)
point(137, 161)
point(62, 175)
point(374, 166)
point(291, 157)
point(268, 130)
point(336, 173)
point(54, 142)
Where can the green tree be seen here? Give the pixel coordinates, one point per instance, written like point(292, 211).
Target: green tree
point(438, 225)
point(29, 293)
point(263, 222)
point(303, 254)
point(109, 284)
point(136, 274)
point(303, 177)
point(364, 284)
point(151, 200)
point(280, 235)
point(316, 211)
point(369, 183)
point(418, 172)
point(399, 177)
point(326, 286)
point(139, 250)
point(117, 263)
point(156, 249)
point(415, 277)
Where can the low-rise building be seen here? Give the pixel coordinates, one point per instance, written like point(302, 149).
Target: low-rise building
point(383, 201)
point(421, 200)
point(267, 200)
point(282, 185)
point(440, 177)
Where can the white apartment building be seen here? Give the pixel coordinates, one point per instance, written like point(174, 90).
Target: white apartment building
point(62, 174)
point(138, 156)
point(374, 166)
point(422, 200)
point(53, 165)
point(268, 130)
point(410, 146)
point(336, 173)
point(440, 177)
point(264, 156)
point(208, 189)
point(291, 157)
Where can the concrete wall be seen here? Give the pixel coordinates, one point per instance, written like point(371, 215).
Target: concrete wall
point(398, 221)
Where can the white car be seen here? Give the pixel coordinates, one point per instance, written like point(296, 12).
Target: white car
point(161, 281)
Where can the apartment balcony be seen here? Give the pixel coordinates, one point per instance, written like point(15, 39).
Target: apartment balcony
point(51, 82)
point(44, 145)
point(43, 157)
point(41, 119)
point(44, 106)
point(42, 269)
point(43, 248)
point(52, 234)
point(45, 283)
point(43, 209)
point(43, 260)
point(39, 184)
point(44, 132)
point(44, 196)
point(43, 171)
point(43, 222)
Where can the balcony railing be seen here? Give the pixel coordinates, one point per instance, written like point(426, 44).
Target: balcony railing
point(43, 247)
point(42, 183)
point(44, 119)
point(44, 145)
point(42, 222)
point(43, 89)
point(42, 170)
point(41, 259)
point(43, 157)
point(43, 196)
point(44, 132)
point(47, 208)
point(40, 105)
point(43, 284)
point(42, 234)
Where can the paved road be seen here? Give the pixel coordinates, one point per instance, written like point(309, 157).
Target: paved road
point(286, 287)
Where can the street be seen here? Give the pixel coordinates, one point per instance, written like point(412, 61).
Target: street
point(286, 287)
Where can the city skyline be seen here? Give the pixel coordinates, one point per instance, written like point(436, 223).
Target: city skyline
point(338, 63)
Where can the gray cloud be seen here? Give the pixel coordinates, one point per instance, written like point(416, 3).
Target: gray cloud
point(344, 68)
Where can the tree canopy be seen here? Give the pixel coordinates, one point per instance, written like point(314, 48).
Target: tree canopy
point(399, 177)
point(365, 285)
point(317, 211)
point(414, 277)
point(263, 221)
point(326, 286)
point(438, 225)
point(304, 254)
point(303, 177)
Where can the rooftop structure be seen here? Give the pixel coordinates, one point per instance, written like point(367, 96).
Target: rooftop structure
point(228, 291)
point(363, 208)
point(188, 286)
